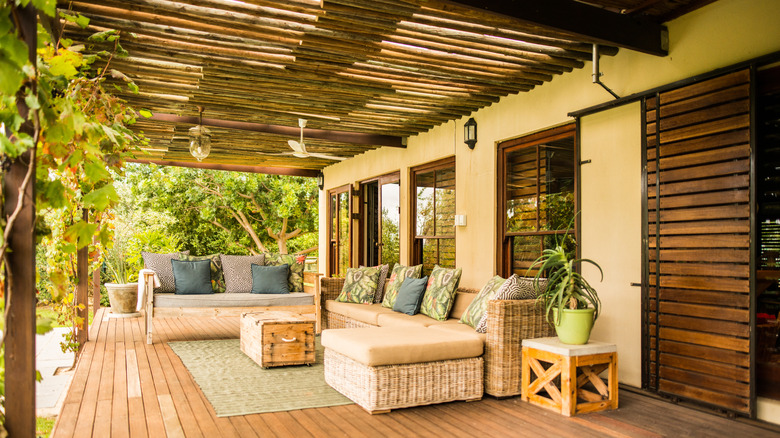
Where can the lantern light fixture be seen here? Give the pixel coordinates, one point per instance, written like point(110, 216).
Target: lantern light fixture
point(320, 181)
point(200, 138)
point(470, 133)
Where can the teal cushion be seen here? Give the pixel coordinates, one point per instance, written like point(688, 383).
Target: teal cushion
point(192, 277)
point(270, 279)
point(410, 295)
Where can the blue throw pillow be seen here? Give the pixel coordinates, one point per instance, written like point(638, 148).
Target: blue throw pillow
point(270, 279)
point(410, 295)
point(192, 277)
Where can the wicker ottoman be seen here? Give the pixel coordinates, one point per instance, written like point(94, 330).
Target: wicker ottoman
point(387, 368)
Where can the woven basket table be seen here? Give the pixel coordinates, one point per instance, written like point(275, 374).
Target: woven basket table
point(277, 338)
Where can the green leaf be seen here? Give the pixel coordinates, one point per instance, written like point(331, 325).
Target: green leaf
point(64, 64)
point(82, 21)
point(49, 7)
point(110, 134)
point(133, 87)
point(14, 49)
point(55, 194)
point(32, 101)
point(95, 171)
point(145, 113)
point(10, 77)
point(81, 232)
point(101, 37)
point(101, 198)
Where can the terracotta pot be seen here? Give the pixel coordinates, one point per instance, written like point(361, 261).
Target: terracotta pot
point(123, 297)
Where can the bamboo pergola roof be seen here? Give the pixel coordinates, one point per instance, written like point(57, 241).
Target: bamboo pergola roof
point(379, 70)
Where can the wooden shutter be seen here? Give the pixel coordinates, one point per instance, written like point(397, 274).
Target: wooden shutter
point(697, 306)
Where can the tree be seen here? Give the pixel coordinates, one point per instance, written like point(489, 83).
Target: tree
point(223, 212)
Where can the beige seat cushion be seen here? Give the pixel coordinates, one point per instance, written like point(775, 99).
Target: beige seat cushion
point(397, 319)
point(366, 313)
point(455, 326)
point(392, 346)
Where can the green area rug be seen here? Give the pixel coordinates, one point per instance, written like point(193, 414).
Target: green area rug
point(235, 385)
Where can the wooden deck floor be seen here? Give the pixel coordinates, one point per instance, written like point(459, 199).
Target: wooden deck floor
point(124, 387)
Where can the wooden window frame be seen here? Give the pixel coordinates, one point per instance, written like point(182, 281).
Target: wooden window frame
point(332, 257)
point(415, 255)
point(381, 180)
point(504, 249)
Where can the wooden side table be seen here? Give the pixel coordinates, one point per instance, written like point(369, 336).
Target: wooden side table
point(277, 338)
point(576, 365)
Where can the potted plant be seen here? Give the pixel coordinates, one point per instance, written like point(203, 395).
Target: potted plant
point(571, 304)
point(122, 289)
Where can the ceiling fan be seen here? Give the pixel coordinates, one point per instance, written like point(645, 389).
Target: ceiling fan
point(299, 148)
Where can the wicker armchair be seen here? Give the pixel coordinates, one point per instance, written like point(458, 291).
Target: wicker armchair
point(509, 322)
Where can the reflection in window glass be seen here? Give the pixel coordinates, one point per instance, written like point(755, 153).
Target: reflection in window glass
point(445, 202)
point(425, 204)
point(539, 195)
point(435, 218)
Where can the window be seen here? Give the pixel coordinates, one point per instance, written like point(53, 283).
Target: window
point(537, 186)
point(434, 215)
point(380, 220)
point(340, 230)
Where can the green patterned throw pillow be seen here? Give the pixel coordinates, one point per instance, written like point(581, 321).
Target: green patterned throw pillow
point(400, 272)
point(440, 293)
point(295, 280)
point(217, 276)
point(359, 285)
point(478, 307)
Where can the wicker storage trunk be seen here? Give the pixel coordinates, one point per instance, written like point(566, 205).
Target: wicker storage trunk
point(277, 338)
point(378, 389)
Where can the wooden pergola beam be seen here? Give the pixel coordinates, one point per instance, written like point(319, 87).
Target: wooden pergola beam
point(588, 23)
point(288, 171)
point(322, 134)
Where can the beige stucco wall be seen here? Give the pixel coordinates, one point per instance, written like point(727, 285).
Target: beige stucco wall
point(718, 35)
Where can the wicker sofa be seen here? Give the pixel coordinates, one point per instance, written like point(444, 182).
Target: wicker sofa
point(509, 322)
point(169, 305)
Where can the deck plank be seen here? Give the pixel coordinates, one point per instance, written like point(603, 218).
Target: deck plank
point(124, 387)
point(152, 414)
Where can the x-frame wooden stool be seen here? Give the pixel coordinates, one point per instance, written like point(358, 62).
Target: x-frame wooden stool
point(576, 365)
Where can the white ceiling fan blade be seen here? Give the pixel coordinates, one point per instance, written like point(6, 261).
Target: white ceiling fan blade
point(295, 145)
point(327, 157)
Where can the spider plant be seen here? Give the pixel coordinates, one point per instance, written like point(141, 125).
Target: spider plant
point(566, 288)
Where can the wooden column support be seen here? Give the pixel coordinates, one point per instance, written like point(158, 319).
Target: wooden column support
point(19, 285)
point(82, 291)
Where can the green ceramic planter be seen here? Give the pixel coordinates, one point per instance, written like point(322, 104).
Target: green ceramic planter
point(574, 326)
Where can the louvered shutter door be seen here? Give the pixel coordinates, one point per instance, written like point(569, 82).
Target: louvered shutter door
point(697, 318)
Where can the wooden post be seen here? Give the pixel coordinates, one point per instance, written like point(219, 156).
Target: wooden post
point(82, 290)
point(96, 288)
point(20, 273)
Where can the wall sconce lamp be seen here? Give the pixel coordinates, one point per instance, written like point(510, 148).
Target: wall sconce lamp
point(200, 138)
point(320, 181)
point(470, 133)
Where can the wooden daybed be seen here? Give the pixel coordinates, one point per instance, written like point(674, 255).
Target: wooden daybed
point(169, 305)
